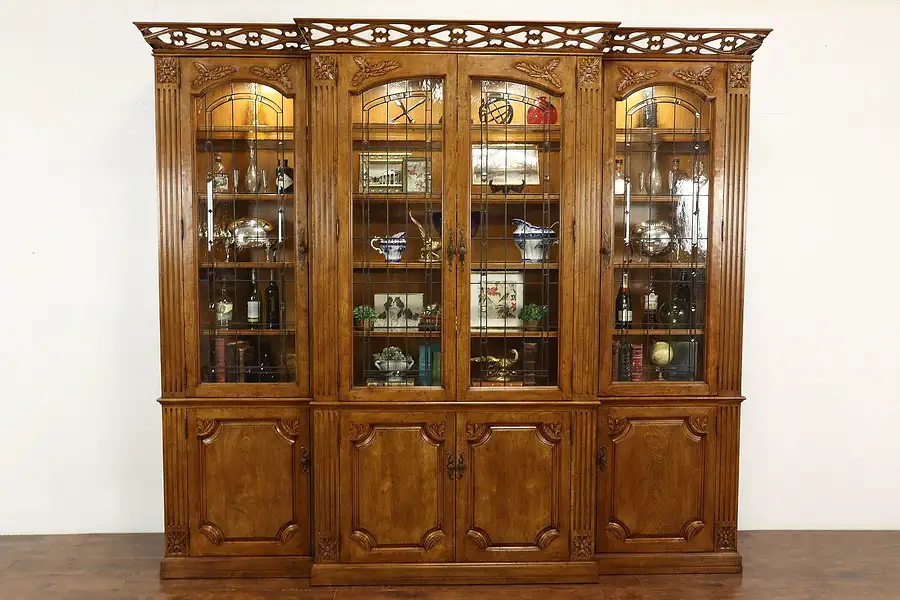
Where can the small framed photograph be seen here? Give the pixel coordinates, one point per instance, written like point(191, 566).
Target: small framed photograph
point(505, 165)
point(398, 311)
point(381, 172)
point(417, 175)
point(496, 298)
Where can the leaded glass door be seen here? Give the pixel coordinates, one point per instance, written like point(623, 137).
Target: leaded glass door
point(398, 310)
point(659, 270)
point(249, 240)
point(515, 224)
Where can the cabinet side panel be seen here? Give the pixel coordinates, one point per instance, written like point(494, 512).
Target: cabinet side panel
point(171, 272)
point(584, 454)
point(325, 471)
point(588, 198)
point(324, 230)
point(175, 480)
point(728, 421)
point(737, 119)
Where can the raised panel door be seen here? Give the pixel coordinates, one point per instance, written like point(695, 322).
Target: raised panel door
point(397, 487)
point(512, 486)
point(656, 482)
point(249, 481)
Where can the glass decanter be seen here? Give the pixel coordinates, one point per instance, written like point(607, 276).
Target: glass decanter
point(251, 179)
point(655, 176)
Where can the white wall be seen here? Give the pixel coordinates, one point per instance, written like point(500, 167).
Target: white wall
point(80, 430)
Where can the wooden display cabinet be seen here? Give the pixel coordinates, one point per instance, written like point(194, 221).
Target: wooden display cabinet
point(484, 190)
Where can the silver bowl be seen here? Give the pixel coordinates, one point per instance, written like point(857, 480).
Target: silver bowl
point(653, 237)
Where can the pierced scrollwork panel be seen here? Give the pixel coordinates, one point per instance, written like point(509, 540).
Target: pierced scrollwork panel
point(453, 35)
point(222, 36)
point(630, 40)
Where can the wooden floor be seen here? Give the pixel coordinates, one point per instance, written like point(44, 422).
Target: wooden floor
point(777, 565)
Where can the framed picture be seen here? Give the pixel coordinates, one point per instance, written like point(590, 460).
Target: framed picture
point(381, 172)
point(505, 164)
point(416, 175)
point(398, 311)
point(496, 299)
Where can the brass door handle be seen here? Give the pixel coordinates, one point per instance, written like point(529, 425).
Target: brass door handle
point(601, 459)
point(460, 466)
point(462, 250)
point(606, 251)
point(450, 249)
point(451, 466)
point(305, 461)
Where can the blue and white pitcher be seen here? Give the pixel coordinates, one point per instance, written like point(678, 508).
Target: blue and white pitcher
point(391, 248)
point(534, 242)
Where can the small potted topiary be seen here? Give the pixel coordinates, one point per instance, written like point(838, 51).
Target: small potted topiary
point(532, 315)
point(430, 319)
point(364, 317)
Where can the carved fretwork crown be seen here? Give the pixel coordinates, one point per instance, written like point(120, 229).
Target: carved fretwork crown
point(354, 35)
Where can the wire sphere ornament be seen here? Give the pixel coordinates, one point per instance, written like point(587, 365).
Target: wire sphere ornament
point(496, 109)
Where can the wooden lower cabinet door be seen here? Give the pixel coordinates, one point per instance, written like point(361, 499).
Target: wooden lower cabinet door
point(396, 488)
point(512, 486)
point(249, 481)
point(656, 480)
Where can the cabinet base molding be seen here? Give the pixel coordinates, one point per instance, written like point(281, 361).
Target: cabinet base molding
point(444, 574)
point(226, 567)
point(665, 564)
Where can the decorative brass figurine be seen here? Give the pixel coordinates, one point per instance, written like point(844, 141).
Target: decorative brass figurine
point(430, 247)
point(498, 368)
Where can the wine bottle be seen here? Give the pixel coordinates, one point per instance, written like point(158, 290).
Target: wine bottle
point(284, 178)
point(273, 307)
point(623, 305)
point(253, 303)
point(224, 308)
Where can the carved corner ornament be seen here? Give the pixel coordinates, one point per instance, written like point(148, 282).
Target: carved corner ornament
point(631, 77)
point(582, 547)
point(206, 427)
point(698, 424)
point(475, 431)
point(206, 74)
point(552, 432)
point(726, 536)
point(278, 75)
point(616, 426)
point(290, 427)
point(367, 70)
point(738, 75)
point(325, 68)
point(166, 69)
point(176, 541)
point(326, 548)
point(547, 72)
point(701, 78)
point(435, 431)
point(588, 71)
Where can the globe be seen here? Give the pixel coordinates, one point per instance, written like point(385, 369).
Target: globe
point(661, 354)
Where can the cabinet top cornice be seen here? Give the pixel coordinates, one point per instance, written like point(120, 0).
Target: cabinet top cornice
point(356, 35)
